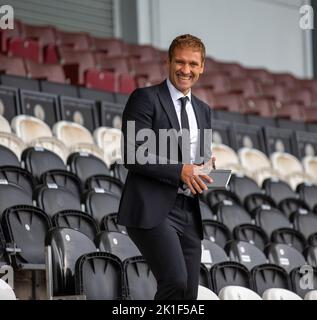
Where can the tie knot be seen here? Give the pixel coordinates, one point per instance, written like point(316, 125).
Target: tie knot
point(183, 101)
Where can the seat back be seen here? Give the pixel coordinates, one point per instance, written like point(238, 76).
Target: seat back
point(291, 237)
point(26, 227)
point(105, 182)
point(269, 276)
point(278, 190)
point(211, 253)
point(99, 276)
point(238, 293)
point(139, 279)
point(206, 294)
point(6, 292)
point(305, 222)
point(118, 244)
point(285, 163)
point(303, 280)
point(100, 203)
point(28, 128)
point(308, 193)
point(216, 232)
point(11, 142)
point(4, 125)
point(65, 246)
point(77, 220)
point(109, 223)
point(280, 294)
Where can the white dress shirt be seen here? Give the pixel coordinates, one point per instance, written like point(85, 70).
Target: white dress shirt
point(176, 94)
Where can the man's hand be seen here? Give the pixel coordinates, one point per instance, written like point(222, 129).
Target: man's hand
point(193, 181)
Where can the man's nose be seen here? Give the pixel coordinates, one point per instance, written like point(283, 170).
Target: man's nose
point(186, 69)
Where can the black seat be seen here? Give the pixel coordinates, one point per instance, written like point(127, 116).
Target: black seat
point(64, 247)
point(245, 253)
point(206, 212)
point(25, 229)
point(213, 197)
point(139, 279)
point(252, 234)
point(283, 195)
point(8, 157)
point(270, 219)
point(3, 255)
point(312, 240)
point(204, 276)
point(303, 280)
point(53, 199)
point(12, 194)
point(291, 237)
point(64, 179)
point(229, 274)
point(86, 165)
point(38, 160)
point(231, 214)
point(308, 193)
point(107, 183)
point(18, 176)
point(216, 232)
point(211, 253)
point(109, 223)
point(305, 222)
point(269, 276)
point(285, 256)
point(311, 255)
point(77, 220)
point(119, 171)
point(100, 203)
point(118, 244)
point(99, 276)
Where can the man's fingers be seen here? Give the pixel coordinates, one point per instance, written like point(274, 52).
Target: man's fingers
point(206, 178)
point(200, 183)
point(196, 185)
point(189, 184)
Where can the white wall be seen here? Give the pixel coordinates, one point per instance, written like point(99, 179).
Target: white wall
point(258, 33)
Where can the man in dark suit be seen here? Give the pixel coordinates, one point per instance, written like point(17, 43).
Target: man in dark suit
point(159, 204)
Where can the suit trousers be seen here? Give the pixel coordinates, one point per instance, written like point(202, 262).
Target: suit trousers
point(173, 251)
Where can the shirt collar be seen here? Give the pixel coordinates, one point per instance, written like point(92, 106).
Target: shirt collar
point(175, 93)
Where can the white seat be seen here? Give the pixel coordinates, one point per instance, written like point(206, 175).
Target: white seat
point(311, 295)
point(88, 148)
point(28, 128)
point(289, 168)
point(109, 140)
point(12, 142)
point(206, 294)
point(310, 167)
point(52, 144)
point(72, 133)
point(4, 125)
point(256, 164)
point(280, 294)
point(226, 158)
point(238, 293)
point(6, 292)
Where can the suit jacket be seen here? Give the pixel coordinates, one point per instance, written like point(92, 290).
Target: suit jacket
point(150, 190)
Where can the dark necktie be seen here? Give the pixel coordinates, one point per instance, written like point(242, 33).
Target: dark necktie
point(184, 117)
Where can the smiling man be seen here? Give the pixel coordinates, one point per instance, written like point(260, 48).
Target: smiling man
point(160, 204)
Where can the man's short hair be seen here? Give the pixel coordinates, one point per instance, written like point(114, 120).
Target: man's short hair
point(187, 41)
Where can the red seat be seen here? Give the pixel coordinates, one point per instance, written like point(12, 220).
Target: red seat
point(7, 34)
point(303, 96)
point(101, 80)
point(12, 65)
point(277, 91)
point(148, 73)
point(235, 70)
point(261, 74)
point(116, 64)
point(111, 47)
point(228, 101)
point(218, 82)
point(25, 48)
point(77, 40)
point(143, 53)
point(203, 94)
point(211, 66)
point(126, 83)
point(44, 34)
point(285, 79)
point(76, 63)
point(50, 72)
point(247, 86)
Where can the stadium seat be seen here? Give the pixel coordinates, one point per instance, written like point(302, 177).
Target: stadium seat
point(214, 197)
point(231, 214)
point(86, 165)
point(101, 80)
point(4, 125)
point(110, 46)
point(310, 166)
point(285, 256)
point(105, 182)
point(311, 255)
point(304, 281)
point(38, 160)
point(229, 274)
point(99, 203)
point(205, 211)
point(119, 171)
point(75, 40)
point(44, 34)
point(311, 295)
point(12, 143)
point(308, 193)
point(268, 276)
point(252, 234)
point(238, 293)
point(77, 220)
point(270, 219)
point(118, 244)
point(12, 65)
point(46, 199)
point(206, 294)
point(8, 157)
point(305, 222)
point(99, 276)
point(291, 237)
point(211, 253)
point(140, 281)
point(63, 247)
point(25, 48)
point(9, 104)
point(117, 64)
point(216, 232)
point(245, 253)
point(109, 223)
point(280, 294)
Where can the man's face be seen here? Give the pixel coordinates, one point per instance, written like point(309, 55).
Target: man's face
point(185, 68)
